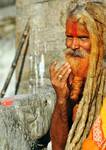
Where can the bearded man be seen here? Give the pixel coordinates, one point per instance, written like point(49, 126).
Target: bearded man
point(77, 83)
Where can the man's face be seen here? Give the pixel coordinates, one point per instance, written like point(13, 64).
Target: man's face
point(79, 46)
point(77, 54)
point(77, 36)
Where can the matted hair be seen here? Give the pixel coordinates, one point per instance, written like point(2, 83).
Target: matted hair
point(92, 15)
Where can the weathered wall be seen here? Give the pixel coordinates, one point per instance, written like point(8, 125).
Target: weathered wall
point(4, 3)
point(47, 36)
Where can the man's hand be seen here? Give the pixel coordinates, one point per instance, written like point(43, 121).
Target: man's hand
point(59, 81)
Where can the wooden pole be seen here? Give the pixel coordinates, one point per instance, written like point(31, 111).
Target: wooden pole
point(15, 60)
point(25, 48)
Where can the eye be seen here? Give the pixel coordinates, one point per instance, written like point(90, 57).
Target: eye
point(83, 38)
point(69, 38)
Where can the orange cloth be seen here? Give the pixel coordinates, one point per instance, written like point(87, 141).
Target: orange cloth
point(97, 137)
point(89, 144)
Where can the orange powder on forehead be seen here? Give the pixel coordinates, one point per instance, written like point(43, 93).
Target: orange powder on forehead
point(75, 28)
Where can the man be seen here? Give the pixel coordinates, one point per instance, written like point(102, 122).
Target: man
point(71, 80)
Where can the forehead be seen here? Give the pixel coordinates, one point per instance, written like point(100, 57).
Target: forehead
point(72, 26)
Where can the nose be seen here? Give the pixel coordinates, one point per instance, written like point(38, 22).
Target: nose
point(75, 43)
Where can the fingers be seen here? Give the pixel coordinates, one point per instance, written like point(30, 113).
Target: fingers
point(63, 69)
point(66, 75)
point(52, 68)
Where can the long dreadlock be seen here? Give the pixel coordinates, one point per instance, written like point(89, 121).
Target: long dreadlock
point(93, 93)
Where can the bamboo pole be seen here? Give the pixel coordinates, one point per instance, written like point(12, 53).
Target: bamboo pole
point(24, 49)
point(15, 60)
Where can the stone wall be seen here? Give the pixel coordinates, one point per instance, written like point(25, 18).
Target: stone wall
point(47, 38)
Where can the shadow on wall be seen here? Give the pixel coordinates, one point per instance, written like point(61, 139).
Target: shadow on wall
point(4, 3)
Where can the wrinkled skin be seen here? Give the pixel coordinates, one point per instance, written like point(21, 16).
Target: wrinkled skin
point(73, 75)
point(60, 86)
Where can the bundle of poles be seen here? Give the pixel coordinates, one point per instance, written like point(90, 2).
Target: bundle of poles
point(22, 47)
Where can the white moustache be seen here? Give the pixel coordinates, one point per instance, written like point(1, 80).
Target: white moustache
point(77, 53)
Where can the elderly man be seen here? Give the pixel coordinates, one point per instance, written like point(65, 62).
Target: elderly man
point(75, 80)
